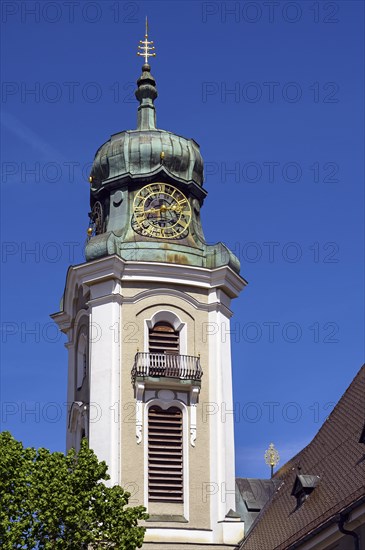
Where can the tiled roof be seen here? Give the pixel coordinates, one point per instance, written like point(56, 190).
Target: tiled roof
point(251, 497)
point(335, 455)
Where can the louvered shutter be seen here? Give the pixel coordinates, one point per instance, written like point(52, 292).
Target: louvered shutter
point(163, 339)
point(165, 455)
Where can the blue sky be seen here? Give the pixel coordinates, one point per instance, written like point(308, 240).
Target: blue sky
point(273, 93)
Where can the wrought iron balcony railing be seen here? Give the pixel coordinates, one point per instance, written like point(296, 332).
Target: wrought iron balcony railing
point(185, 367)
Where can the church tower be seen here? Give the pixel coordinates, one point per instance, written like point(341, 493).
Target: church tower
point(147, 317)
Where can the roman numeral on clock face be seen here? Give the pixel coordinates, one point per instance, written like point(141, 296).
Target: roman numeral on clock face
point(161, 211)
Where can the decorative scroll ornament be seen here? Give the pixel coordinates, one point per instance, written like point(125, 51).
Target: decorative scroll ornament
point(193, 402)
point(138, 433)
point(139, 412)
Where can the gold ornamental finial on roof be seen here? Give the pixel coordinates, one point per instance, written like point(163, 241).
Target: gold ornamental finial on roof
point(146, 46)
point(272, 457)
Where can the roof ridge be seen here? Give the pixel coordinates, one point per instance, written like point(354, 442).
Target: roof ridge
point(325, 423)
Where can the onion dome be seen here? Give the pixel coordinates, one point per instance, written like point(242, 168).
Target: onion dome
point(147, 152)
point(136, 179)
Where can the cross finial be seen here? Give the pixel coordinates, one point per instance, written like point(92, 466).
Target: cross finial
point(146, 46)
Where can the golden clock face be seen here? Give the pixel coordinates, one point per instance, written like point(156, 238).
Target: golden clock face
point(161, 211)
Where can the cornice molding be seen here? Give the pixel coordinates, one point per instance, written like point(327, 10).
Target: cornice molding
point(174, 293)
point(114, 267)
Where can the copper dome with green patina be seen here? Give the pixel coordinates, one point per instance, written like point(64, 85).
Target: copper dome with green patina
point(132, 160)
point(147, 152)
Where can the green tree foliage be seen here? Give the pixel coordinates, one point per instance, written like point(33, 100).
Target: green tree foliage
point(52, 501)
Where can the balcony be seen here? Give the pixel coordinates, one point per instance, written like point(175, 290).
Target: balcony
point(161, 365)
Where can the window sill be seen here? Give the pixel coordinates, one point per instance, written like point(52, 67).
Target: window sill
point(166, 518)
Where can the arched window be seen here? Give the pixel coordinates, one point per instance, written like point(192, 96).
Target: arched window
point(81, 359)
point(163, 338)
point(165, 454)
point(78, 422)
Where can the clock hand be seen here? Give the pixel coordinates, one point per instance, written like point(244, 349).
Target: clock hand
point(152, 210)
point(174, 207)
point(162, 209)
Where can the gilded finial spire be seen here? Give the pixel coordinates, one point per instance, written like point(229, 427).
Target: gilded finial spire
point(146, 92)
point(271, 457)
point(146, 46)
